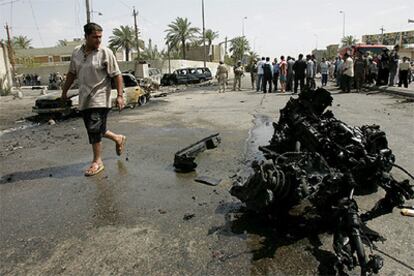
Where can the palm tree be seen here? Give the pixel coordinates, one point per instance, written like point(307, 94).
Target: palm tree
point(124, 38)
point(210, 36)
point(179, 32)
point(21, 42)
point(348, 40)
point(62, 43)
point(239, 46)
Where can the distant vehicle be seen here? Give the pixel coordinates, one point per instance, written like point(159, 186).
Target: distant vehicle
point(187, 76)
point(52, 103)
point(362, 48)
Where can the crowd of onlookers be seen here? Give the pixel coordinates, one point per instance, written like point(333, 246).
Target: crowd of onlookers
point(350, 71)
point(30, 79)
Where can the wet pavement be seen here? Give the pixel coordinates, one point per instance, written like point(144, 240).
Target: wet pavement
point(130, 218)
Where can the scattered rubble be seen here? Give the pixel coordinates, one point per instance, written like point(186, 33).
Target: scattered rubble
point(184, 160)
point(317, 158)
point(208, 180)
point(188, 216)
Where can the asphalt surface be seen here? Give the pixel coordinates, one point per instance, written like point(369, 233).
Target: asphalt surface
point(130, 219)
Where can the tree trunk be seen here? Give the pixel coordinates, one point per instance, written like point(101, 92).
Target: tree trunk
point(126, 54)
point(183, 43)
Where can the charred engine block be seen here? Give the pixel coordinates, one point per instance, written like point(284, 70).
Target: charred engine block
point(314, 156)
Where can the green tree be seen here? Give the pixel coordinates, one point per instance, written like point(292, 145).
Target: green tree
point(180, 32)
point(122, 38)
point(238, 47)
point(348, 40)
point(151, 52)
point(21, 42)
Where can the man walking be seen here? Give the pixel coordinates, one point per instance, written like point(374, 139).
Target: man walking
point(259, 84)
point(283, 73)
point(359, 71)
point(222, 76)
point(238, 74)
point(324, 71)
point(299, 69)
point(290, 74)
point(94, 66)
point(267, 75)
point(348, 73)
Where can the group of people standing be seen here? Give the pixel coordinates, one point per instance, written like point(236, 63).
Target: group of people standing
point(292, 74)
point(386, 68)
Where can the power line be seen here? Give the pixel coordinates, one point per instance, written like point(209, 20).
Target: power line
point(35, 21)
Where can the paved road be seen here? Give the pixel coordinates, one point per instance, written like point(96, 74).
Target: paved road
point(129, 220)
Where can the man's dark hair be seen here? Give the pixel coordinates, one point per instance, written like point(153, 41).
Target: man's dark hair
point(268, 59)
point(300, 56)
point(282, 57)
point(91, 27)
point(263, 58)
point(308, 57)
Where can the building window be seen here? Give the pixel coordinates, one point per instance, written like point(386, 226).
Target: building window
point(64, 58)
point(50, 59)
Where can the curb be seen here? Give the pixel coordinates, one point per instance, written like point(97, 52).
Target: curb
point(391, 91)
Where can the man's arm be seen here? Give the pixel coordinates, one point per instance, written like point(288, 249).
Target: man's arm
point(119, 88)
point(70, 78)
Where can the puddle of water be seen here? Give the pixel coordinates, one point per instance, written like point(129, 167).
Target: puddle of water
point(259, 135)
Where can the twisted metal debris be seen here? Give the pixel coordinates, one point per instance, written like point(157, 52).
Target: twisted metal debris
point(315, 157)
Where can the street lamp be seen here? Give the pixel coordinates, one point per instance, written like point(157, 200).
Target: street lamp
point(244, 18)
point(343, 23)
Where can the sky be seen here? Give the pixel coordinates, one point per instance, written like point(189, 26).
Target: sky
point(273, 27)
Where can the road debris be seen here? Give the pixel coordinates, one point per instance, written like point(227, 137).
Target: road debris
point(407, 212)
point(317, 158)
point(208, 180)
point(188, 216)
point(184, 159)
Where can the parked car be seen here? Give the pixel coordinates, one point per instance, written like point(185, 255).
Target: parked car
point(187, 76)
point(52, 103)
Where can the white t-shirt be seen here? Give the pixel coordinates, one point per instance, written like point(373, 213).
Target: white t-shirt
point(348, 67)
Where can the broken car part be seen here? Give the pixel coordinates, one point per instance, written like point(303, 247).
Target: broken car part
point(184, 160)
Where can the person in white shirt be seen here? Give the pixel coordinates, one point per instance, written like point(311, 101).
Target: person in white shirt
point(403, 72)
point(348, 73)
point(260, 74)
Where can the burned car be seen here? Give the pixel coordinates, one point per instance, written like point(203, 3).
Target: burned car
point(187, 76)
point(316, 158)
point(52, 103)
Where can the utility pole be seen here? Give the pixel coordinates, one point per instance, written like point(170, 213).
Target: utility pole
point(10, 49)
point(135, 13)
point(88, 12)
point(382, 34)
point(204, 34)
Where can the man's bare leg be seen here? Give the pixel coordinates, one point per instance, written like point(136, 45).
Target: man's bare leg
point(114, 137)
point(97, 158)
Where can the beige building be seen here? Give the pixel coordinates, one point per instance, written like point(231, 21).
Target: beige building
point(404, 39)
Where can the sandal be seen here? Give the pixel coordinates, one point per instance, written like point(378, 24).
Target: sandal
point(92, 171)
point(120, 147)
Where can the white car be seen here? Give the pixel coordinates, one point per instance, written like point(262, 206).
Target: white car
point(52, 103)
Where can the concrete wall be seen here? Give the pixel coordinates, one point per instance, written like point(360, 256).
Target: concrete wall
point(44, 70)
point(5, 71)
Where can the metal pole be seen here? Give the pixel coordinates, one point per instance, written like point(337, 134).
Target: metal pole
point(382, 34)
point(88, 12)
point(169, 58)
point(204, 34)
point(343, 23)
point(11, 54)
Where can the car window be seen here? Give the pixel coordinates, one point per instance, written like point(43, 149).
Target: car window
point(200, 71)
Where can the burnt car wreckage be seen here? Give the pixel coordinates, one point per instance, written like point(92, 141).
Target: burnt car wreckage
point(317, 158)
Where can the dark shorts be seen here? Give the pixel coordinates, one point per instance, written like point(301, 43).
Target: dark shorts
point(95, 123)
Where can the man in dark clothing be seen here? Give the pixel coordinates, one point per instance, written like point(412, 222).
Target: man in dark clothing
point(359, 71)
point(267, 75)
point(299, 68)
point(393, 64)
point(290, 74)
point(384, 68)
